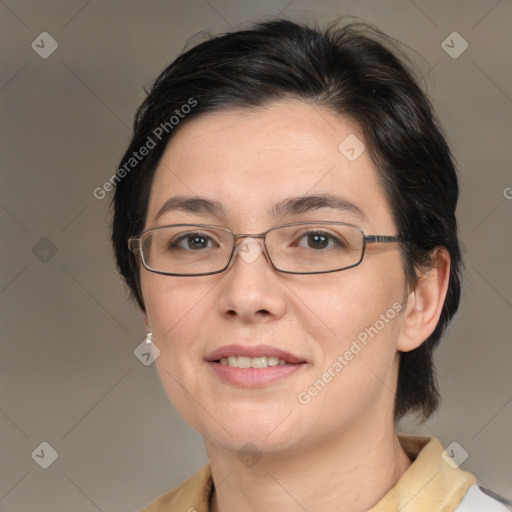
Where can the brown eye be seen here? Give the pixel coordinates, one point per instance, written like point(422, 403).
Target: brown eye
point(320, 240)
point(191, 241)
point(317, 241)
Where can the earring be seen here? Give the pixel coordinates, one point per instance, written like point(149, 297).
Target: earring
point(149, 337)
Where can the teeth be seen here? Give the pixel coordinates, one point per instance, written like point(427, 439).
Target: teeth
point(244, 362)
point(251, 362)
point(256, 362)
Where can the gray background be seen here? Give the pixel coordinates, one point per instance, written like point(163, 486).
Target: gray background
point(68, 373)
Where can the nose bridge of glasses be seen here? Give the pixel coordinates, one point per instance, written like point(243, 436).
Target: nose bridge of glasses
point(240, 236)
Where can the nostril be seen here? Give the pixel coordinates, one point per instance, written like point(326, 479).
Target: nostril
point(263, 312)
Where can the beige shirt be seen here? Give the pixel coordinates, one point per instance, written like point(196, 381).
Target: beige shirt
point(429, 485)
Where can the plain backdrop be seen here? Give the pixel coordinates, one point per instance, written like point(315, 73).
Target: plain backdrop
point(68, 373)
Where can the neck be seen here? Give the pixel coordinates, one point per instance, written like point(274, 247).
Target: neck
point(352, 469)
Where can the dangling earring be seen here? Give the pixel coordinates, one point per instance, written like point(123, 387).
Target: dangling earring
point(149, 337)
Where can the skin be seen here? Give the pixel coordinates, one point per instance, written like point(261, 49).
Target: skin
point(341, 447)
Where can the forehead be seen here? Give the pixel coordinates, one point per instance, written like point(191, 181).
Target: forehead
point(251, 159)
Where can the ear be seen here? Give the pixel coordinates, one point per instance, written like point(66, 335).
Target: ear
point(425, 303)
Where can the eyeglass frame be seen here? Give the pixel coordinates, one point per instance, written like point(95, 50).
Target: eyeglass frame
point(134, 244)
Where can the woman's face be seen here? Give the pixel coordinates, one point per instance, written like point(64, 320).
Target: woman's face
point(248, 161)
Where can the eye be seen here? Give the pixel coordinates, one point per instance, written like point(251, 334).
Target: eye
point(191, 241)
point(320, 240)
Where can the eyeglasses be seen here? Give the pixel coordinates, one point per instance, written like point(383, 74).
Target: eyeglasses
point(297, 248)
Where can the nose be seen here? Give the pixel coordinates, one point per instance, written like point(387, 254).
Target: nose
point(251, 290)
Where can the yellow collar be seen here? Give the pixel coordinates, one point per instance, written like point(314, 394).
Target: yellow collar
point(429, 484)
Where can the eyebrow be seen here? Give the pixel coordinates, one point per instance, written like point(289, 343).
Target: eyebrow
point(303, 204)
point(191, 205)
point(288, 206)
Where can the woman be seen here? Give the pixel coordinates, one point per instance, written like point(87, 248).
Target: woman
point(285, 219)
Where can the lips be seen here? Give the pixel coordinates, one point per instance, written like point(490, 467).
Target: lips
point(253, 366)
point(255, 351)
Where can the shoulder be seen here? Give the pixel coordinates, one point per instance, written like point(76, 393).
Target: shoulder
point(478, 499)
point(453, 487)
point(192, 495)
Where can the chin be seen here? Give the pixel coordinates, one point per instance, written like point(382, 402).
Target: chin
point(243, 430)
point(257, 442)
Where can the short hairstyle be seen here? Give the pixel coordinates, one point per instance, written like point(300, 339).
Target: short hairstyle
point(354, 70)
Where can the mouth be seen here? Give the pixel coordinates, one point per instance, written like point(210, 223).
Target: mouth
point(252, 356)
point(251, 362)
point(253, 366)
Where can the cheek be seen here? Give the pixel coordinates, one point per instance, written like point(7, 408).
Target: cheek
point(355, 343)
point(337, 307)
point(170, 300)
point(354, 322)
point(364, 315)
point(177, 311)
